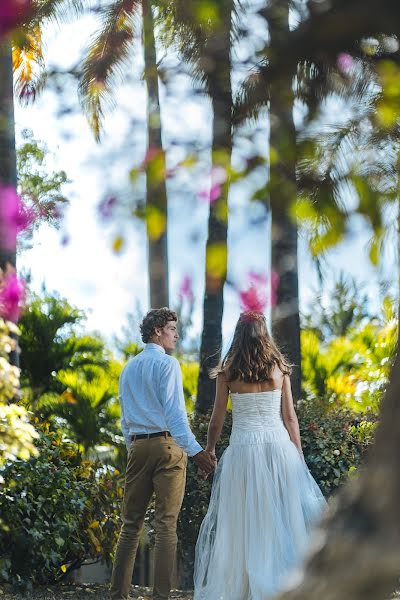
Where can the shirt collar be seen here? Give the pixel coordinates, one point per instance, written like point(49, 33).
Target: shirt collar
point(151, 346)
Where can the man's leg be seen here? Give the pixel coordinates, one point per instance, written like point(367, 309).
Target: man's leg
point(137, 495)
point(169, 486)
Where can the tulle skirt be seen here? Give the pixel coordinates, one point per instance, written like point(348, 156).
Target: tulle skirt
point(264, 504)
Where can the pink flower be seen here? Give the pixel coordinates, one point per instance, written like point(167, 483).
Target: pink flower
point(255, 296)
point(12, 12)
point(14, 216)
point(344, 62)
point(107, 206)
point(253, 299)
point(186, 291)
point(210, 195)
point(12, 296)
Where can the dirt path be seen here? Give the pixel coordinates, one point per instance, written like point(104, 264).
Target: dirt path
point(81, 592)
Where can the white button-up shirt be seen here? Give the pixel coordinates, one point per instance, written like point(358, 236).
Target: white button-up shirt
point(151, 397)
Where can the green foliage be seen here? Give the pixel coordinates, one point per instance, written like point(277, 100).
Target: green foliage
point(334, 442)
point(88, 407)
point(57, 510)
point(347, 309)
point(352, 370)
point(50, 343)
point(16, 433)
point(40, 189)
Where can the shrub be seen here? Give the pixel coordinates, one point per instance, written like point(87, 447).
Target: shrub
point(57, 510)
point(334, 442)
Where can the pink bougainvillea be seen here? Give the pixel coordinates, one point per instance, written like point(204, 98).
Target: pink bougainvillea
point(218, 177)
point(15, 217)
point(186, 290)
point(12, 296)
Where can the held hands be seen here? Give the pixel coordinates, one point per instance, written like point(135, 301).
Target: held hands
point(206, 462)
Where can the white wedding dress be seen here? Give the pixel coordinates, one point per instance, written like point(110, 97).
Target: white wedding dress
point(263, 505)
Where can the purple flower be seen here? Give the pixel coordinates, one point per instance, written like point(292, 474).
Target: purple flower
point(186, 291)
point(14, 216)
point(107, 206)
point(12, 296)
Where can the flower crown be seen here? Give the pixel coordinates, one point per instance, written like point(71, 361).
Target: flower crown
point(251, 316)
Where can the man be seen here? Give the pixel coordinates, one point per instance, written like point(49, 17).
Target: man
point(158, 438)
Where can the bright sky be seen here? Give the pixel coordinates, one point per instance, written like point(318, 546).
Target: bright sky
point(109, 286)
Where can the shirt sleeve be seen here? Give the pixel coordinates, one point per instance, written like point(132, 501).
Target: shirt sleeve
point(173, 403)
point(124, 426)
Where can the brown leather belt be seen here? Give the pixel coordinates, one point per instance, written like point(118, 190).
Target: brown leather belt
point(146, 436)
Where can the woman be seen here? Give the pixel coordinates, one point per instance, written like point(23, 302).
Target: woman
point(264, 500)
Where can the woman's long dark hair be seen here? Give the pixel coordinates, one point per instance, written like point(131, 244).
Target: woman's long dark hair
point(253, 354)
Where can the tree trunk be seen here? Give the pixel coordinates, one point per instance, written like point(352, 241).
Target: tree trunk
point(285, 313)
point(8, 166)
point(220, 90)
point(357, 553)
point(8, 161)
point(156, 192)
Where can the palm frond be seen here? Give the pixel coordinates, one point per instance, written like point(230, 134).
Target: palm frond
point(107, 54)
point(28, 64)
point(57, 11)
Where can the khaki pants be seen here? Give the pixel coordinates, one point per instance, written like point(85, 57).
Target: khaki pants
point(154, 465)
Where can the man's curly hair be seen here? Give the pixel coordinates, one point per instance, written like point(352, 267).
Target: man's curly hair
point(156, 318)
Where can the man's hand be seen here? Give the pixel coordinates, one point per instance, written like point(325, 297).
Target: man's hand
point(204, 461)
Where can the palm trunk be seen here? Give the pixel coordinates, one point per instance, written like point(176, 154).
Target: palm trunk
point(8, 162)
point(156, 193)
point(8, 167)
point(285, 314)
point(220, 90)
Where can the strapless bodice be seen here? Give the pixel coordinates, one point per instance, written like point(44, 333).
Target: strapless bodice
point(257, 412)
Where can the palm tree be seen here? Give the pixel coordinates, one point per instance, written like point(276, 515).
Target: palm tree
point(282, 194)
point(8, 165)
point(219, 87)
point(108, 52)
point(205, 42)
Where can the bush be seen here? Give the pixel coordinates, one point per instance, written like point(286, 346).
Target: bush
point(334, 444)
point(57, 510)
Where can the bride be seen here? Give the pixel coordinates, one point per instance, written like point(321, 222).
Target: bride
point(264, 500)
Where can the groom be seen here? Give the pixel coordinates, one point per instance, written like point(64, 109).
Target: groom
point(158, 437)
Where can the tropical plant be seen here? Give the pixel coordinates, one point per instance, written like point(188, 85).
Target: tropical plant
point(50, 342)
point(16, 432)
point(109, 51)
point(57, 510)
point(88, 409)
point(352, 370)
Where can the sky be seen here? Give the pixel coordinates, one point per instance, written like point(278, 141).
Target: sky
point(107, 285)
